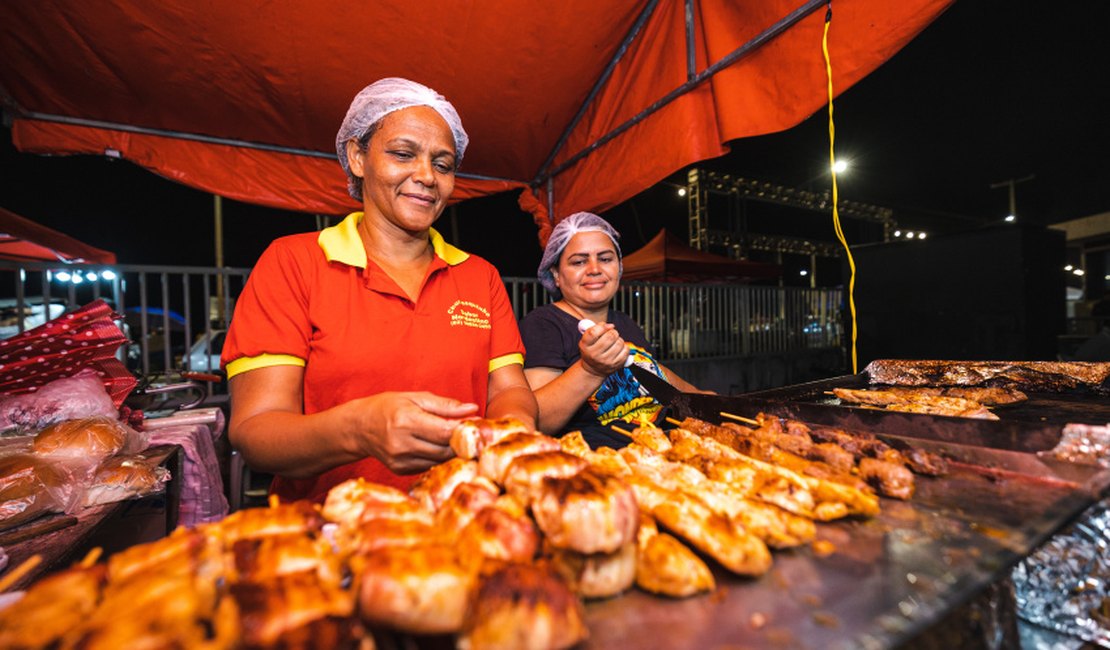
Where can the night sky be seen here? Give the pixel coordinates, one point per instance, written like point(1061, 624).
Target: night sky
point(991, 91)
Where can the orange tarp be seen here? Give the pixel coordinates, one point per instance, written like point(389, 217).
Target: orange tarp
point(243, 99)
point(24, 240)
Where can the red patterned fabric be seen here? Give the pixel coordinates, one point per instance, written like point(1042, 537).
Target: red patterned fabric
point(85, 338)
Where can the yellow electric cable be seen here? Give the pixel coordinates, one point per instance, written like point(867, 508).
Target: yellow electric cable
point(835, 195)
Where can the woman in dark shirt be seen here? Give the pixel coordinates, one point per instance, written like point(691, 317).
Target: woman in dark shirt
point(580, 379)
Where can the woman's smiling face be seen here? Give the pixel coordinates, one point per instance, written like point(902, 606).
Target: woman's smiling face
point(408, 168)
point(588, 272)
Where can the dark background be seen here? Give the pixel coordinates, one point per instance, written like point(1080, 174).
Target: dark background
point(991, 91)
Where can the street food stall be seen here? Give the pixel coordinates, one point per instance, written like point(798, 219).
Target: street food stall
point(877, 568)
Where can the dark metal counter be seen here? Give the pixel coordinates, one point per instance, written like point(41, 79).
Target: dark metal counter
point(893, 577)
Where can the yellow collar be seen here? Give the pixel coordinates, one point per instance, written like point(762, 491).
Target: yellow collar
point(341, 243)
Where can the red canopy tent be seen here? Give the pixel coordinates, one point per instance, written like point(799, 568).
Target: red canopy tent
point(666, 258)
point(24, 240)
point(581, 104)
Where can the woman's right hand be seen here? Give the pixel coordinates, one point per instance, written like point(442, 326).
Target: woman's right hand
point(602, 349)
point(409, 432)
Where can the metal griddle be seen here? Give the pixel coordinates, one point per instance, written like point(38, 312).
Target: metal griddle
point(894, 576)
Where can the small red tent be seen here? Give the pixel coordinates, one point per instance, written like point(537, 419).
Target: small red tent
point(24, 240)
point(666, 258)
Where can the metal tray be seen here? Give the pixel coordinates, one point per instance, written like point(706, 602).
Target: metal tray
point(892, 578)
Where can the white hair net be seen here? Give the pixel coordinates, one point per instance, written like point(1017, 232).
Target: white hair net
point(561, 236)
point(382, 98)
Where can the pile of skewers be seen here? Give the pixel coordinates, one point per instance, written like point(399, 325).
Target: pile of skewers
point(498, 547)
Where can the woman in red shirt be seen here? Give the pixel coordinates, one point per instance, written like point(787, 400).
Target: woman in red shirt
point(355, 350)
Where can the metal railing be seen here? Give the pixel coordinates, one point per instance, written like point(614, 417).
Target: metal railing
point(167, 310)
point(707, 321)
point(164, 310)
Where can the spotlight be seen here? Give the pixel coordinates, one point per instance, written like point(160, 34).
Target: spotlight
point(1068, 267)
point(1079, 272)
point(63, 276)
point(921, 235)
point(682, 191)
point(1010, 218)
point(897, 233)
point(90, 276)
point(840, 166)
point(108, 274)
point(803, 272)
point(909, 234)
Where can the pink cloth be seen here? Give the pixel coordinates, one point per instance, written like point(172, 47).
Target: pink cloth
point(202, 488)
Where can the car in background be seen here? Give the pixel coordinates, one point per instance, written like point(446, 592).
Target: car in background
point(34, 313)
point(204, 355)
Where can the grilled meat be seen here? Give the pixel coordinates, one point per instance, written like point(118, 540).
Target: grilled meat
point(588, 512)
point(665, 566)
point(473, 435)
point(523, 607)
point(1047, 376)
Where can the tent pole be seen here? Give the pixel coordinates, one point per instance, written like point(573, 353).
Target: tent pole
point(218, 205)
point(196, 137)
point(691, 58)
point(747, 48)
point(617, 56)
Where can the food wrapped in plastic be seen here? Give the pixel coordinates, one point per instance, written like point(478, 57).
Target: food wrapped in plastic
point(126, 477)
point(87, 440)
point(1063, 586)
point(32, 486)
point(80, 396)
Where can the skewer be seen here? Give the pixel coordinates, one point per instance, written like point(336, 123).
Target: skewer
point(674, 421)
point(620, 431)
point(15, 574)
point(275, 501)
point(91, 557)
point(740, 418)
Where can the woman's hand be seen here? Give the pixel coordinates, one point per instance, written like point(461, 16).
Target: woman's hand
point(409, 432)
point(603, 350)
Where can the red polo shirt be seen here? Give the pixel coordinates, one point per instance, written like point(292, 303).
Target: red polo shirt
point(314, 300)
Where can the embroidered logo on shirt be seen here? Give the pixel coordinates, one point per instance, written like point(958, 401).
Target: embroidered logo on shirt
point(468, 314)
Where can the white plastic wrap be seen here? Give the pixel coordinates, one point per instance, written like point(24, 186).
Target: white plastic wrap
point(80, 396)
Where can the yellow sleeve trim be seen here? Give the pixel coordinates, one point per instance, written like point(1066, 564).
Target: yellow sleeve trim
point(507, 360)
point(243, 364)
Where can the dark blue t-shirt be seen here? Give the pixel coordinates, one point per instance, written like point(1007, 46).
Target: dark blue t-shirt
point(551, 339)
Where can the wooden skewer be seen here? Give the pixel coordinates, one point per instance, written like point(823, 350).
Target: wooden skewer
point(15, 574)
point(674, 421)
point(91, 557)
point(620, 430)
point(740, 418)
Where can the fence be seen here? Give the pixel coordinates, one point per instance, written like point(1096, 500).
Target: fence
point(167, 312)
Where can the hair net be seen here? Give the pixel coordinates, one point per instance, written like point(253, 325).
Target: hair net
point(561, 236)
point(382, 98)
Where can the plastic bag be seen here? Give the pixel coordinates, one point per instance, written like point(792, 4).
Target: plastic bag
point(87, 441)
point(125, 477)
point(80, 396)
point(31, 486)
